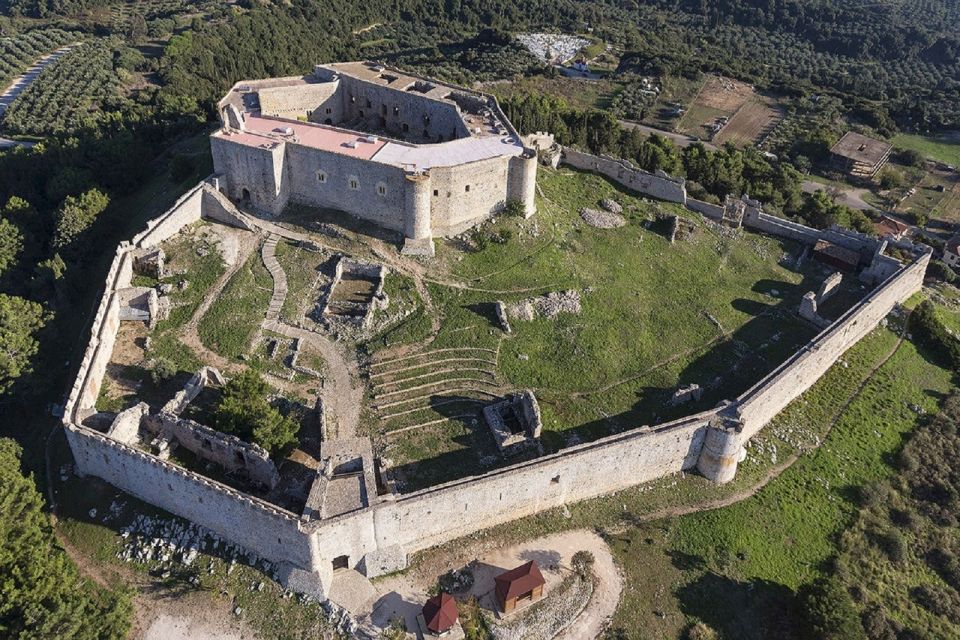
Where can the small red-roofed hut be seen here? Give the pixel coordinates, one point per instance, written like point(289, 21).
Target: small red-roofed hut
point(440, 614)
point(519, 586)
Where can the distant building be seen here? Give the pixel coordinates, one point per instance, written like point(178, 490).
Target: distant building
point(951, 252)
point(860, 156)
point(892, 229)
point(519, 586)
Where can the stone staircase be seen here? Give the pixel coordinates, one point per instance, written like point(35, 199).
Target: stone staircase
point(268, 253)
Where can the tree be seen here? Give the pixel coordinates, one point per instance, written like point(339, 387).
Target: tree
point(11, 242)
point(20, 319)
point(76, 214)
point(41, 593)
point(830, 611)
point(245, 412)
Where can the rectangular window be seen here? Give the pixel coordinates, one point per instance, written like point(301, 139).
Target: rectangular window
point(467, 188)
point(382, 190)
point(436, 192)
point(329, 110)
point(354, 184)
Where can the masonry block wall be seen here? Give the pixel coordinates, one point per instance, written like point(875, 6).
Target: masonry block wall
point(768, 397)
point(252, 174)
point(659, 185)
point(448, 511)
point(307, 101)
point(260, 527)
point(368, 190)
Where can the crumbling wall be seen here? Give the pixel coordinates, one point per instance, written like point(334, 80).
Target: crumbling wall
point(260, 527)
point(755, 219)
point(712, 211)
point(658, 185)
point(768, 397)
point(230, 452)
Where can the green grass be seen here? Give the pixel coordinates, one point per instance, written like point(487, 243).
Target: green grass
point(644, 326)
point(229, 324)
point(200, 271)
point(301, 267)
point(757, 552)
point(941, 149)
point(737, 567)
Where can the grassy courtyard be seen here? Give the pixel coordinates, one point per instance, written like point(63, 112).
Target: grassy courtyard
point(716, 309)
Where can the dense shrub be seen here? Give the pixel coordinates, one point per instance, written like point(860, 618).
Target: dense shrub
point(830, 611)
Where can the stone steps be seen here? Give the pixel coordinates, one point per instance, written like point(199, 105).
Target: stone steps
point(268, 253)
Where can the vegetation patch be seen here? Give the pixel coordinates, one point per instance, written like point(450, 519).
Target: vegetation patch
point(229, 325)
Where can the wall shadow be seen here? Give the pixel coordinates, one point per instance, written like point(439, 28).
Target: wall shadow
point(748, 610)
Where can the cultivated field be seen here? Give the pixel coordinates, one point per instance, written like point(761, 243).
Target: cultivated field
point(752, 121)
point(727, 110)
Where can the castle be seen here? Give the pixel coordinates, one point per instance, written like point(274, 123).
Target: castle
point(411, 155)
point(267, 156)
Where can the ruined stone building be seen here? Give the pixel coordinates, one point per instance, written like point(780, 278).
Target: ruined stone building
point(409, 154)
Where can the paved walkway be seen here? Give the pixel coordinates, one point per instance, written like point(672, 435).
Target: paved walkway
point(678, 139)
point(848, 196)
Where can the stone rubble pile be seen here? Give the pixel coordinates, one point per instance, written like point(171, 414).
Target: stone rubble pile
point(611, 205)
point(549, 305)
point(602, 219)
point(148, 539)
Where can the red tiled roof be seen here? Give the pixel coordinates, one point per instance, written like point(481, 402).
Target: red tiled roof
point(890, 226)
point(440, 612)
point(519, 581)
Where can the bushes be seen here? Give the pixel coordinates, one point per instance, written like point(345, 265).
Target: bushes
point(245, 412)
point(938, 600)
point(701, 631)
point(43, 596)
point(931, 332)
point(582, 562)
point(830, 611)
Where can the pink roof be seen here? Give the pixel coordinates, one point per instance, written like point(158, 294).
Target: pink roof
point(314, 135)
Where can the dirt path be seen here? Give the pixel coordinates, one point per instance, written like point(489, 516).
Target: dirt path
point(342, 393)
point(189, 334)
point(19, 84)
point(848, 196)
point(403, 595)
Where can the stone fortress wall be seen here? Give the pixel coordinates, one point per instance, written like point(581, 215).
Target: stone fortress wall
point(377, 538)
point(447, 195)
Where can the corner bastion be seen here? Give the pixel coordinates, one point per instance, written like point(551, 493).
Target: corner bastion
point(377, 535)
point(409, 154)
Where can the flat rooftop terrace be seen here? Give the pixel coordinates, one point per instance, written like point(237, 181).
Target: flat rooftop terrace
point(268, 131)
